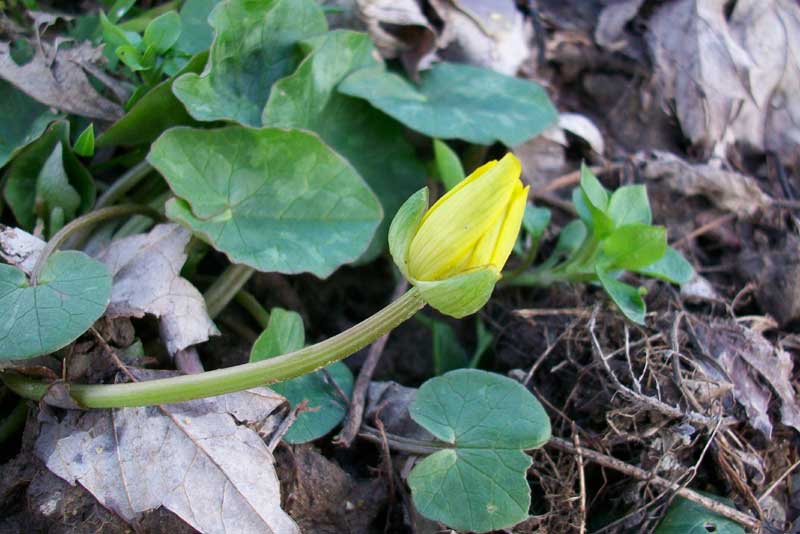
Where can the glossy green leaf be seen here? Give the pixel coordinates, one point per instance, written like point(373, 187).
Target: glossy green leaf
point(448, 354)
point(22, 189)
point(687, 517)
point(570, 239)
point(634, 246)
point(448, 165)
point(253, 48)
point(30, 120)
point(131, 57)
point(483, 340)
point(479, 482)
point(154, 113)
point(629, 204)
point(84, 145)
point(596, 199)
point(196, 34)
point(672, 267)
point(114, 36)
point(119, 9)
point(626, 297)
point(455, 101)
point(535, 220)
point(163, 32)
point(373, 143)
point(277, 200)
point(284, 334)
point(54, 192)
point(72, 293)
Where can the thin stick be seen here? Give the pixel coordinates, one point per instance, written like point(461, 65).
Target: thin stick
point(719, 221)
point(637, 472)
point(355, 415)
point(581, 479)
point(778, 481)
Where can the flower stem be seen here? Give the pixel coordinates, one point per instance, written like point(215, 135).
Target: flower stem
point(225, 287)
point(83, 222)
point(237, 378)
point(125, 183)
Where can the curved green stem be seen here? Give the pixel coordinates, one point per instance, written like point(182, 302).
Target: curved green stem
point(254, 308)
point(86, 221)
point(225, 287)
point(123, 184)
point(238, 378)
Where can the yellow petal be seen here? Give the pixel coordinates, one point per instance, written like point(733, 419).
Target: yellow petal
point(511, 224)
point(454, 225)
point(477, 173)
point(482, 253)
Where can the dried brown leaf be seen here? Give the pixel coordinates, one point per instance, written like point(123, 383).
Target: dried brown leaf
point(728, 190)
point(146, 270)
point(700, 67)
point(199, 459)
point(757, 370)
point(19, 248)
point(611, 23)
point(492, 33)
point(56, 76)
point(399, 29)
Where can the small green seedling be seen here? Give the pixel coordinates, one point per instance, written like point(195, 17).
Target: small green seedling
point(614, 234)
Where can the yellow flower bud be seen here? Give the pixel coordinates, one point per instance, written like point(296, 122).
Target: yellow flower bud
point(455, 251)
point(473, 225)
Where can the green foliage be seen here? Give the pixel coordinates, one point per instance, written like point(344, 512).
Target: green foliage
point(253, 48)
point(455, 101)
point(277, 200)
point(155, 112)
point(84, 145)
point(326, 408)
point(149, 54)
point(448, 167)
point(197, 34)
point(687, 517)
point(47, 177)
point(477, 481)
point(30, 119)
point(613, 234)
point(72, 293)
point(373, 143)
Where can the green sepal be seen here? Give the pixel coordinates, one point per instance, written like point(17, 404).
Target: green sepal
point(404, 226)
point(460, 295)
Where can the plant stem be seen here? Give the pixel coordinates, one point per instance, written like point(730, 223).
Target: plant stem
point(85, 221)
point(247, 301)
point(238, 378)
point(123, 184)
point(224, 288)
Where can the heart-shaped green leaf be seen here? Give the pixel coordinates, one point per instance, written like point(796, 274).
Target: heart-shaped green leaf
point(480, 483)
point(284, 333)
point(252, 49)
point(374, 143)
point(277, 200)
point(455, 101)
point(196, 34)
point(72, 293)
